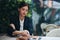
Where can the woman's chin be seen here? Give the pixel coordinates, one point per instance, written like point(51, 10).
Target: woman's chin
point(24, 15)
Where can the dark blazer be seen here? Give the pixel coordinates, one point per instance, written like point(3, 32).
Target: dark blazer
point(15, 20)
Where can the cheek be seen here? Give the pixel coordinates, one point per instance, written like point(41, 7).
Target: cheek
point(21, 11)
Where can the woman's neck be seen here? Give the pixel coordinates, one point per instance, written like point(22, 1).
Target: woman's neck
point(21, 17)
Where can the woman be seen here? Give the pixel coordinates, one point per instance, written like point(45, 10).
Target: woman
point(21, 25)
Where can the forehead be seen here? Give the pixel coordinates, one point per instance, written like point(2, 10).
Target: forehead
point(25, 7)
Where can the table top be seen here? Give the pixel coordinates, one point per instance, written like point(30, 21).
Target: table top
point(4, 37)
point(45, 38)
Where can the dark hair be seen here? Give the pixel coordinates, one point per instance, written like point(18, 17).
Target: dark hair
point(22, 4)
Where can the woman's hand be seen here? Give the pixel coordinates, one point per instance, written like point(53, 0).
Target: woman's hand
point(22, 33)
point(23, 38)
point(25, 33)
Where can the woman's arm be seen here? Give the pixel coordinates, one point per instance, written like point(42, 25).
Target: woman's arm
point(15, 32)
point(12, 31)
point(13, 26)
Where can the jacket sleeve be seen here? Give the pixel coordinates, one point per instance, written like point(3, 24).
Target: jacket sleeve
point(10, 30)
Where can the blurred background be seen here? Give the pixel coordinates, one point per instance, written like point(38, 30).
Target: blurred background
point(41, 11)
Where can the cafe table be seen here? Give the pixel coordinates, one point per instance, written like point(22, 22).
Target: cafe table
point(5, 37)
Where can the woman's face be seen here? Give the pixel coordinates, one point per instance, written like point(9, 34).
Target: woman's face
point(23, 11)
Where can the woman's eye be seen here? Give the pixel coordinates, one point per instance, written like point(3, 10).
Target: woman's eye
point(23, 9)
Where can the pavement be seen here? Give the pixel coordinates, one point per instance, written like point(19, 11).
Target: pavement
point(5, 37)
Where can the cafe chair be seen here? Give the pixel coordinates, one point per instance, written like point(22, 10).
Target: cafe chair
point(50, 27)
point(54, 33)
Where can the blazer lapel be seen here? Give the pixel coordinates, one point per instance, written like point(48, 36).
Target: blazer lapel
point(25, 23)
point(18, 23)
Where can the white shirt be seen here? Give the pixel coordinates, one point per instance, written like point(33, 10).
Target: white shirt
point(21, 24)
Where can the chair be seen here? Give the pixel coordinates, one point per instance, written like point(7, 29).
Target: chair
point(47, 27)
point(43, 26)
point(54, 33)
point(50, 27)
